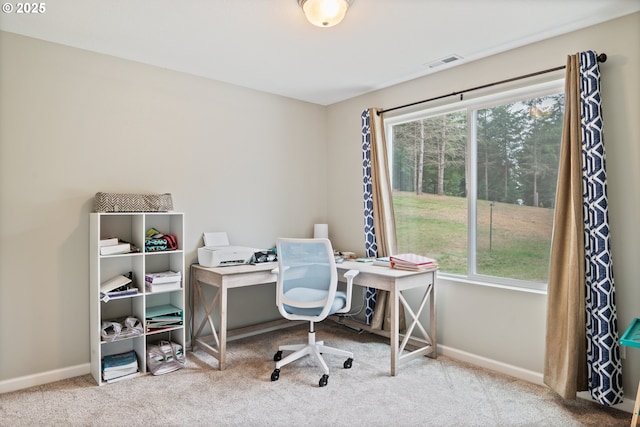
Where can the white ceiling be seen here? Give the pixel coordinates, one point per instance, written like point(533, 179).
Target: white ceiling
point(268, 44)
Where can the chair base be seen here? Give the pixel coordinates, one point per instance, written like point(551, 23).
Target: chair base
point(312, 348)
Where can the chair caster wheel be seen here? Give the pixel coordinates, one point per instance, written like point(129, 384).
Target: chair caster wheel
point(323, 380)
point(275, 375)
point(348, 363)
point(277, 356)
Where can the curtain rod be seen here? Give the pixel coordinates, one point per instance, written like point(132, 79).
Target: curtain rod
point(601, 58)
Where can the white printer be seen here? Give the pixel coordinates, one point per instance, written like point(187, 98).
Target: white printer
point(217, 252)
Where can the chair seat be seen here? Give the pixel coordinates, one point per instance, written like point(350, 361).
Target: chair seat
point(310, 294)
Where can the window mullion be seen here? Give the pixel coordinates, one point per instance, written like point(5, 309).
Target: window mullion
point(472, 190)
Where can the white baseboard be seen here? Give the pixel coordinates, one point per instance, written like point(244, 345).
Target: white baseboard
point(43, 378)
point(517, 372)
point(626, 405)
point(494, 365)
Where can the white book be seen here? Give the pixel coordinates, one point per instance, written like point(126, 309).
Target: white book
point(117, 373)
point(120, 248)
point(110, 241)
point(114, 283)
point(163, 277)
point(163, 287)
point(123, 377)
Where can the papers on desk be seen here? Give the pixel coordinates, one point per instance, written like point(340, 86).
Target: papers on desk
point(412, 262)
point(382, 261)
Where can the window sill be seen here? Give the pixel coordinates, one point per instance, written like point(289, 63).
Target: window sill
point(518, 288)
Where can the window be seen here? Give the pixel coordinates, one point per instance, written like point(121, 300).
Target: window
point(474, 184)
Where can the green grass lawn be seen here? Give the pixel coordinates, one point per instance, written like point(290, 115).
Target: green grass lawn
point(512, 241)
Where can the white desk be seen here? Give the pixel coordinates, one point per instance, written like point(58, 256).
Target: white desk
point(395, 281)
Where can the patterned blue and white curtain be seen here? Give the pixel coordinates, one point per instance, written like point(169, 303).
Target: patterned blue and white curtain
point(603, 348)
point(371, 248)
point(379, 220)
point(582, 348)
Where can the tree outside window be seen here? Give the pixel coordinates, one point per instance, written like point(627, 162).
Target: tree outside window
point(475, 187)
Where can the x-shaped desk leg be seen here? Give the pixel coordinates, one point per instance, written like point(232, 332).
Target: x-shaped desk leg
point(216, 351)
point(397, 349)
point(416, 321)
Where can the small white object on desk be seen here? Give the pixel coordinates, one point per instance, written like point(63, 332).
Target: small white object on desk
point(320, 231)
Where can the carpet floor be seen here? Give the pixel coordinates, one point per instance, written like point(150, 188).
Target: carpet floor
point(426, 392)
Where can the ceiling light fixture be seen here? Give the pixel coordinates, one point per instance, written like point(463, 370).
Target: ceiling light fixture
point(325, 13)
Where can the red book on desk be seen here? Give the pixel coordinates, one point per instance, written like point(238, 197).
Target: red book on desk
point(412, 262)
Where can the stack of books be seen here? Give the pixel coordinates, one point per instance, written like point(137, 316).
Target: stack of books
point(412, 262)
point(163, 281)
point(113, 246)
point(119, 286)
point(120, 365)
point(163, 317)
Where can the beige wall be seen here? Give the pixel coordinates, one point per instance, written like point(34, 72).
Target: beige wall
point(504, 325)
point(73, 123)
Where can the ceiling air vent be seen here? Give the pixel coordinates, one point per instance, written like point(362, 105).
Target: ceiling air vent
point(443, 61)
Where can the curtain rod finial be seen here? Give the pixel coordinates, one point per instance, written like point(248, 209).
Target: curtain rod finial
point(602, 57)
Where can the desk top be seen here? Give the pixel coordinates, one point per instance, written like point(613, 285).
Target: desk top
point(363, 267)
point(374, 276)
point(240, 269)
point(366, 267)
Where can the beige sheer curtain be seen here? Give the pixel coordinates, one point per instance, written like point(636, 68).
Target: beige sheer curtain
point(383, 216)
point(565, 365)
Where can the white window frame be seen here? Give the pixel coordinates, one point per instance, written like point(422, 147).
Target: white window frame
point(472, 105)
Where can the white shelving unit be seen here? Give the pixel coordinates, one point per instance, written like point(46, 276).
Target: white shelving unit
point(132, 227)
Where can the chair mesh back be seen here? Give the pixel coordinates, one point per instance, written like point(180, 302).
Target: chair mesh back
point(305, 264)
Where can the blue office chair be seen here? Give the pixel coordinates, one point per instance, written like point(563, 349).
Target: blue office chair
point(307, 290)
